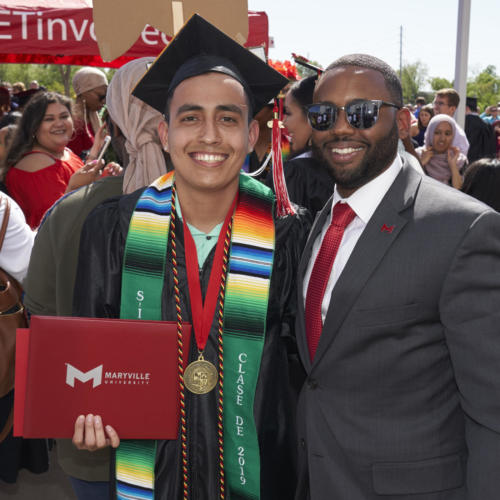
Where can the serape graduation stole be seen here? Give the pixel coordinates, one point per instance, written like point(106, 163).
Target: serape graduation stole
point(143, 276)
point(245, 312)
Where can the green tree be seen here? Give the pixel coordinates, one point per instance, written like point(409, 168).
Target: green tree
point(54, 77)
point(413, 77)
point(47, 75)
point(438, 83)
point(486, 87)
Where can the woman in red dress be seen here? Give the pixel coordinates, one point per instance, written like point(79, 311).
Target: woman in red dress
point(40, 168)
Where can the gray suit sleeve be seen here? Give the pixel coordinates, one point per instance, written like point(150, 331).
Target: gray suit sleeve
point(470, 313)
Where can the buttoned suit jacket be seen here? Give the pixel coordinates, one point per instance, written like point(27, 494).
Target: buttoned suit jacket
point(402, 400)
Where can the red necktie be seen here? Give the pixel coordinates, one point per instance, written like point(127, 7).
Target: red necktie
point(341, 218)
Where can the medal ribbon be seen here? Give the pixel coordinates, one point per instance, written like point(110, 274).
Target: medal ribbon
point(202, 313)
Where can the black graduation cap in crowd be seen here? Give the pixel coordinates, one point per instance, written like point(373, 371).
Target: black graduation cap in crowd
point(199, 48)
point(471, 102)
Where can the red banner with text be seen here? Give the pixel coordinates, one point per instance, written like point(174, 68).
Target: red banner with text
point(62, 32)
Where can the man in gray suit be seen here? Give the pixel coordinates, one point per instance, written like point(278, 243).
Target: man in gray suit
point(399, 317)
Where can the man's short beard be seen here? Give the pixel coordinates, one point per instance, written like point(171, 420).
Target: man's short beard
point(376, 160)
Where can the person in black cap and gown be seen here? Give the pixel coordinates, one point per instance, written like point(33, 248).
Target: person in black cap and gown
point(209, 88)
point(479, 134)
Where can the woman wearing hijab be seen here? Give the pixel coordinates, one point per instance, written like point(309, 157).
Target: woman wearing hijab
point(439, 157)
point(138, 123)
point(90, 85)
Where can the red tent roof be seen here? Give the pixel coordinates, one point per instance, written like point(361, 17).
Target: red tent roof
point(62, 32)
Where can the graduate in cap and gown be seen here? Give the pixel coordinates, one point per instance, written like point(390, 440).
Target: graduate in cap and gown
point(209, 245)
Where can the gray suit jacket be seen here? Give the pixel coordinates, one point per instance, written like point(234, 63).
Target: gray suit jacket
point(402, 400)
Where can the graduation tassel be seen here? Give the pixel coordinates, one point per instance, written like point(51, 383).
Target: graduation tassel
point(284, 206)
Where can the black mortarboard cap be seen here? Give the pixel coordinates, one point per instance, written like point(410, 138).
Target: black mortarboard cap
point(200, 48)
point(471, 102)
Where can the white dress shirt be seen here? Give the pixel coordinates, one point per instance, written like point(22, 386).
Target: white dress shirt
point(364, 201)
point(19, 238)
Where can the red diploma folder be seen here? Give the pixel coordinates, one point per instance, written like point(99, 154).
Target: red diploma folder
point(124, 370)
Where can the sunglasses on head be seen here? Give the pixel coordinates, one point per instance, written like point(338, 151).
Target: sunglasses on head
point(361, 113)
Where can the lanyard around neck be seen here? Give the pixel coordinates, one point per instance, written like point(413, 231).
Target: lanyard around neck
point(202, 312)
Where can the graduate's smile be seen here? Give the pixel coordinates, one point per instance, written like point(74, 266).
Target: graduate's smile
point(208, 159)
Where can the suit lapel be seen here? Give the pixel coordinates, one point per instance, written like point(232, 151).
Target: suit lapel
point(378, 236)
point(317, 226)
point(319, 222)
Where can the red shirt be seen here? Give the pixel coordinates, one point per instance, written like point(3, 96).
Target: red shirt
point(83, 139)
point(36, 192)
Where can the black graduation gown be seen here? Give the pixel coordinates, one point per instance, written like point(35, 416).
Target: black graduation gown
point(97, 294)
point(308, 182)
point(481, 138)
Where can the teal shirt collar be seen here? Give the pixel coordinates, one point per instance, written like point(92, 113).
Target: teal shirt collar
point(204, 242)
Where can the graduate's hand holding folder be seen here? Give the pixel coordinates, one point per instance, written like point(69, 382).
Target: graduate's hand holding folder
point(123, 371)
point(91, 434)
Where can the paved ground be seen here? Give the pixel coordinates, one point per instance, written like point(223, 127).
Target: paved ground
point(53, 485)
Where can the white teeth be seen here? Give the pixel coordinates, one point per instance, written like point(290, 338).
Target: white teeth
point(345, 151)
point(209, 158)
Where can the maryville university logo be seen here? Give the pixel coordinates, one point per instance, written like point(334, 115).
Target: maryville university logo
point(110, 377)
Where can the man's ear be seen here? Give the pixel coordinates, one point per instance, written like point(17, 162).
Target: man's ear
point(452, 111)
point(403, 120)
point(253, 135)
point(163, 134)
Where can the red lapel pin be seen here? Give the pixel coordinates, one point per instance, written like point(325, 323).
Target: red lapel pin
point(387, 229)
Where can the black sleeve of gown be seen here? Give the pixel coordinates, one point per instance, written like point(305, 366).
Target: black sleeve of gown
point(291, 236)
point(98, 279)
point(308, 183)
point(281, 372)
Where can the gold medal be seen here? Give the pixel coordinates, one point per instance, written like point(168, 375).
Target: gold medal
point(200, 376)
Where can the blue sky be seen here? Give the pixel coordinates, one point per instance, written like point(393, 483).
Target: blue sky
point(326, 29)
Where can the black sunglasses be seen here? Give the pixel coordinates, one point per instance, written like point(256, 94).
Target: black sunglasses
point(100, 97)
point(361, 113)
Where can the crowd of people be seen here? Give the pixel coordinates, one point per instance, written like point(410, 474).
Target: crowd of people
point(376, 356)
